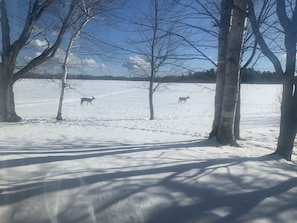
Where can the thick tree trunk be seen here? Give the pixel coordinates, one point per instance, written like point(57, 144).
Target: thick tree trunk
point(288, 122)
point(221, 67)
point(226, 127)
point(7, 105)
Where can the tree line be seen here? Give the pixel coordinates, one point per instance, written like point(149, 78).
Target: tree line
point(247, 76)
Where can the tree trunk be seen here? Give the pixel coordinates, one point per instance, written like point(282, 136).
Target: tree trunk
point(235, 41)
point(65, 63)
point(288, 122)
point(64, 80)
point(237, 114)
point(222, 51)
point(151, 104)
point(7, 105)
point(59, 114)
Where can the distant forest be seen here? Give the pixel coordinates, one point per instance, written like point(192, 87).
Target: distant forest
point(249, 75)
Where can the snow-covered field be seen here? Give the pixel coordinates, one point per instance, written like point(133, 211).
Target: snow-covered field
point(108, 163)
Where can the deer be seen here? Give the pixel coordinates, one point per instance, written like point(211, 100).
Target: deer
point(88, 100)
point(183, 99)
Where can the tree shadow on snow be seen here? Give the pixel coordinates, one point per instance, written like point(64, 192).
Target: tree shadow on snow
point(175, 177)
point(66, 152)
point(234, 205)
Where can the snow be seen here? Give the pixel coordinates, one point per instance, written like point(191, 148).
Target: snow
point(108, 163)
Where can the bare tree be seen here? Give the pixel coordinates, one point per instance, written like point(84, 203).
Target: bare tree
point(87, 11)
point(286, 12)
point(157, 44)
point(9, 73)
point(84, 18)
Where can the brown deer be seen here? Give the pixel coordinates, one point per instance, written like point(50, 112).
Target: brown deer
point(88, 100)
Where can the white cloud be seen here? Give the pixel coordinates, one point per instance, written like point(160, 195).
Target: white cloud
point(90, 62)
point(102, 66)
point(39, 43)
point(76, 64)
point(135, 63)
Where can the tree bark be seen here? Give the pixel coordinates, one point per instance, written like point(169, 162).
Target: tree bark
point(237, 113)
point(59, 114)
point(151, 104)
point(221, 67)
point(7, 106)
point(288, 122)
point(235, 41)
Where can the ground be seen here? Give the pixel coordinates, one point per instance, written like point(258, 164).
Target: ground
point(108, 163)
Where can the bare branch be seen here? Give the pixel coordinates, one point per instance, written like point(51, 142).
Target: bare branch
point(31, 19)
point(282, 15)
point(49, 52)
point(265, 49)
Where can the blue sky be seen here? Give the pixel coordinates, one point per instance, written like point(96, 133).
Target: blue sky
point(94, 58)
